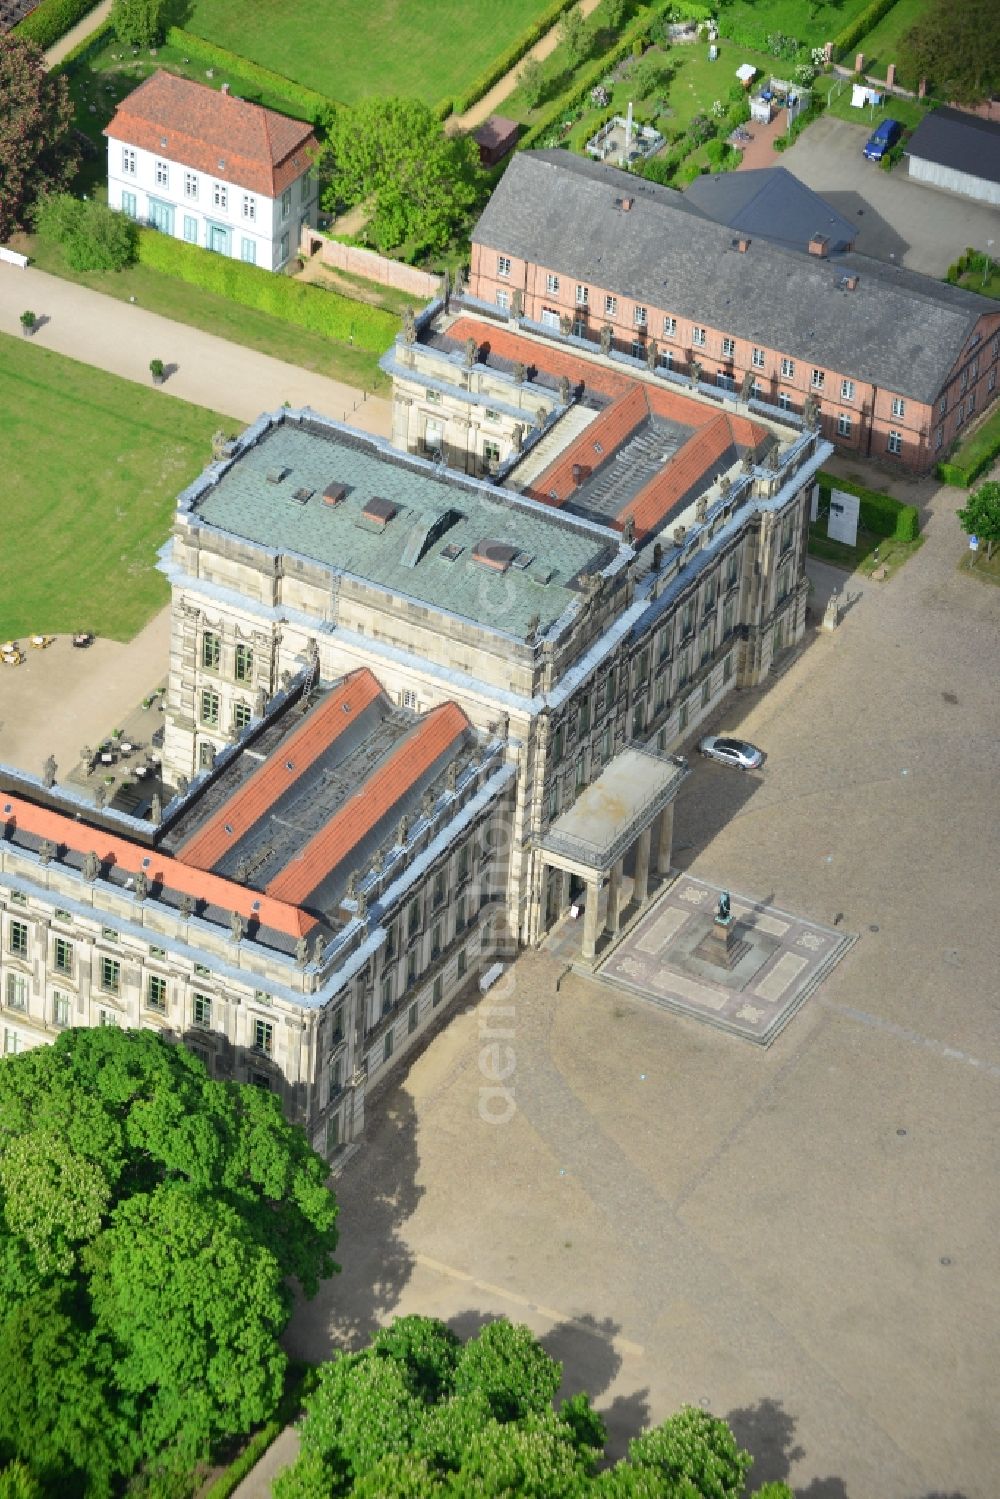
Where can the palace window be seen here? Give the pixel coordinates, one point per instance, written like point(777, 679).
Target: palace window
point(220, 195)
point(243, 665)
point(844, 424)
point(111, 975)
point(552, 284)
point(210, 707)
point(263, 1037)
point(758, 359)
point(211, 650)
point(503, 266)
point(190, 184)
point(788, 369)
point(156, 993)
point(698, 337)
point(611, 306)
point(895, 443)
point(582, 296)
point(128, 161)
point(250, 207)
point(201, 1012)
point(846, 389)
point(670, 327)
point(898, 406)
point(60, 1009)
point(639, 317)
point(17, 991)
point(62, 955)
point(162, 174)
point(503, 299)
point(17, 939)
point(818, 379)
point(728, 348)
point(242, 713)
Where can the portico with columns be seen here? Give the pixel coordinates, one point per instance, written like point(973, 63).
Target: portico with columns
point(625, 816)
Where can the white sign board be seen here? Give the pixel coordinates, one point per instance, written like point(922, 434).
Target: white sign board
point(843, 522)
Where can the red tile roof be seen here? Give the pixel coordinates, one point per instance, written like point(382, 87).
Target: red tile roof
point(214, 133)
point(551, 360)
point(433, 736)
point(67, 833)
point(594, 446)
point(339, 709)
point(667, 489)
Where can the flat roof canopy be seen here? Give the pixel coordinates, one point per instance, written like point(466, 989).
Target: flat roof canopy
point(611, 813)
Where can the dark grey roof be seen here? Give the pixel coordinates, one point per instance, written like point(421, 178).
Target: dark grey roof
point(951, 138)
point(898, 330)
point(772, 204)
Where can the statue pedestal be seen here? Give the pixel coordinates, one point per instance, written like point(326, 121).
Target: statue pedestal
point(721, 946)
point(723, 931)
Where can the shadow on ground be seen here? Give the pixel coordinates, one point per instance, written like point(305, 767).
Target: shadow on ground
point(377, 1192)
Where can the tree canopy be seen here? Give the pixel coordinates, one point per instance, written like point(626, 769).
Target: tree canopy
point(151, 1221)
point(417, 1414)
point(94, 236)
point(139, 23)
point(981, 516)
point(38, 150)
point(955, 45)
point(422, 184)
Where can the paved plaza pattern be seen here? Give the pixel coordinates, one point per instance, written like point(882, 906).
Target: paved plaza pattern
point(800, 1237)
point(778, 960)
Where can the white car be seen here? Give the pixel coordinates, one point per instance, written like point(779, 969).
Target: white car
point(732, 752)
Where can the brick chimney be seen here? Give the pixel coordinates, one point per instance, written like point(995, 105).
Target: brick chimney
point(818, 245)
point(743, 244)
point(627, 204)
point(224, 89)
point(890, 76)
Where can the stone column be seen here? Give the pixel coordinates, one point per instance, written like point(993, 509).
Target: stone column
point(590, 921)
point(665, 839)
point(642, 848)
point(567, 881)
point(615, 897)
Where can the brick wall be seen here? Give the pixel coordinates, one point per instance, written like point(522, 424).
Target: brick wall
point(373, 267)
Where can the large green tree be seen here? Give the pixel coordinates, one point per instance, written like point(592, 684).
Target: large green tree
point(139, 23)
point(417, 1414)
point(38, 150)
point(955, 45)
point(151, 1224)
point(421, 183)
point(981, 516)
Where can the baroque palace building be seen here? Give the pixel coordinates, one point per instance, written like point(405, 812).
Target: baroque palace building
point(423, 697)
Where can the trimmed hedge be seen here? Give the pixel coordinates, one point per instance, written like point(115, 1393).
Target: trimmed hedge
point(592, 74)
point(312, 104)
point(51, 20)
point(504, 61)
point(296, 302)
point(974, 456)
point(863, 22)
point(880, 513)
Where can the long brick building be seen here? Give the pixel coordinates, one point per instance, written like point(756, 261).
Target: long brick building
point(897, 362)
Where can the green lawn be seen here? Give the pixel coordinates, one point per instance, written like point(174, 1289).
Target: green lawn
point(693, 84)
point(204, 309)
point(94, 465)
point(349, 49)
point(870, 552)
point(881, 45)
point(908, 112)
point(813, 23)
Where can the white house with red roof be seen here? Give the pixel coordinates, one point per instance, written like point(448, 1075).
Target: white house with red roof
point(212, 169)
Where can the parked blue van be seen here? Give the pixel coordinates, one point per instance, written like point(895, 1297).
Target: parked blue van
point(883, 139)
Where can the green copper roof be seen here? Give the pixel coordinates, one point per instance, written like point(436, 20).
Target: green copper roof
point(273, 494)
